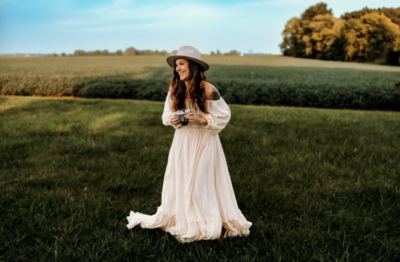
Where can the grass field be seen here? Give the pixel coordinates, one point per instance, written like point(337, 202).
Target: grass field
point(100, 65)
point(318, 185)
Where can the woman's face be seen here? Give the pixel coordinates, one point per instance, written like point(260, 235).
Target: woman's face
point(182, 67)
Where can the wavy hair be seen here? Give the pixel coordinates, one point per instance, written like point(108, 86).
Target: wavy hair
point(196, 89)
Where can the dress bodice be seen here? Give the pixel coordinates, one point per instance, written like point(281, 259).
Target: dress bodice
point(217, 117)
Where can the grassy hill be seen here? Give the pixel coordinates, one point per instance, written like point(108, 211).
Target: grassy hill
point(318, 185)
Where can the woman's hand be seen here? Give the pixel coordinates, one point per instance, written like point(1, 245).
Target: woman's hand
point(175, 120)
point(196, 119)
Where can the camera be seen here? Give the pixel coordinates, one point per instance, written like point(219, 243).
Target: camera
point(181, 113)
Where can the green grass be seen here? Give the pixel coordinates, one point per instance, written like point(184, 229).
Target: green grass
point(318, 185)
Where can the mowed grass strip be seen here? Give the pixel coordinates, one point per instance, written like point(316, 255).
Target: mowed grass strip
point(318, 185)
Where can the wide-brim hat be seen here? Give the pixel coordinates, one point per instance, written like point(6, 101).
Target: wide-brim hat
point(189, 53)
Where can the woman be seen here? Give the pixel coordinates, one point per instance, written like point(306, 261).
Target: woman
point(198, 201)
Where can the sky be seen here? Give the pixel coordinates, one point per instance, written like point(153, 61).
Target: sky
point(56, 26)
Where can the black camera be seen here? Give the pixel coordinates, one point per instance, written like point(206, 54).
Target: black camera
point(181, 113)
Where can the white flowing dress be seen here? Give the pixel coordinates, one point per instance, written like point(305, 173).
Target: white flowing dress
point(197, 194)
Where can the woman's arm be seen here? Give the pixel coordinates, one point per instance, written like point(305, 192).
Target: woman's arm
point(211, 92)
point(167, 117)
point(219, 112)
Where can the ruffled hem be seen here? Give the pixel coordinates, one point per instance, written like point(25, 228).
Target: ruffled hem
point(188, 231)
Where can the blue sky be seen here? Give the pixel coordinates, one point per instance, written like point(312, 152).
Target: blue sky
point(55, 26)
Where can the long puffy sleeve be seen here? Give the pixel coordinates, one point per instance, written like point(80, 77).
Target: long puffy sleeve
point(166, 116)
point(218, 117)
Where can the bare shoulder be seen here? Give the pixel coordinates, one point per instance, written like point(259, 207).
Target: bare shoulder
point(211, 91)
point(170, 90)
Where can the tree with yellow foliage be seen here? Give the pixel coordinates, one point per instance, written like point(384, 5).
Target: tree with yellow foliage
point(325, 31)
point(313, 34)
point(292, 44)
point(369, 35)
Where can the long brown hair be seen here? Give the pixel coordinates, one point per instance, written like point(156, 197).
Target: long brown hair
point(196, 89)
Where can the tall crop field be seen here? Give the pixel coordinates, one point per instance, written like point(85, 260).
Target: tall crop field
point(264, 80)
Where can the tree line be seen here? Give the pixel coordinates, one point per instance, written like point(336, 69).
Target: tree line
point(131, 51)
point(368, 35)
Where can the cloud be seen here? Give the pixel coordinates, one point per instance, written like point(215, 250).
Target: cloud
point(122, 14)
point(216, 19)
point(206, 24)
point(129, 11)
point(118, 27)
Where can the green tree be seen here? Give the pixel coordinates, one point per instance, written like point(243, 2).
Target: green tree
point(79, 53)
point(232, 52)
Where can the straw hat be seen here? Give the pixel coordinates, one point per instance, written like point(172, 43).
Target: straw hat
point(190, 53)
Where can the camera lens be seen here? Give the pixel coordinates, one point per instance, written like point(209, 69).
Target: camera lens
point(184, 121)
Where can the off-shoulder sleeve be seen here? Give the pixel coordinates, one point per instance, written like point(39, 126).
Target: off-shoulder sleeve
point(166, 116)
point(218, 117)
